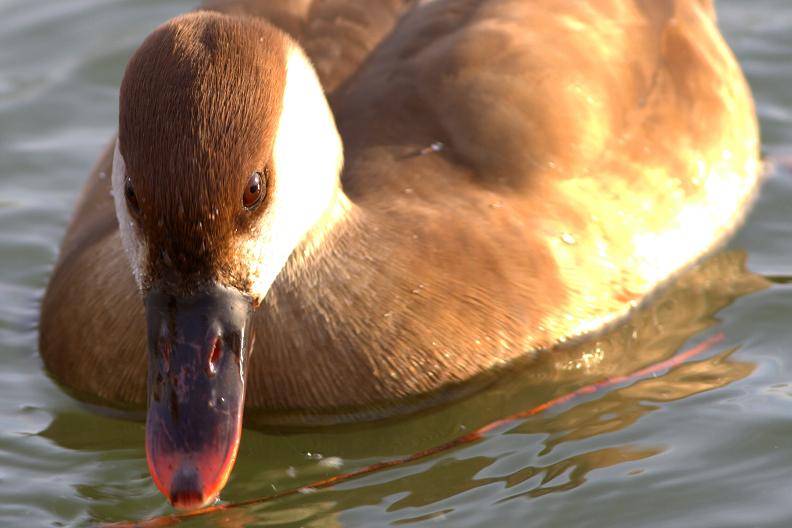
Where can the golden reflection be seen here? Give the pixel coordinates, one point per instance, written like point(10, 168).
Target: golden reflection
point(572, 472)
point(689, 379)
point(615, 411)
point(620, 408)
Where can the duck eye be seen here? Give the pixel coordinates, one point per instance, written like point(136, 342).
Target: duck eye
point(131, 198)
point(252, 195)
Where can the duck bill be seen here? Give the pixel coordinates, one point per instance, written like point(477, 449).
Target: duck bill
point(199, 346)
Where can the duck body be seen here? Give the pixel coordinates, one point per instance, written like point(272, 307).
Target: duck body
point(516, 174)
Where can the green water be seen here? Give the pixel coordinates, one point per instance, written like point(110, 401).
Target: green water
point(707, 444)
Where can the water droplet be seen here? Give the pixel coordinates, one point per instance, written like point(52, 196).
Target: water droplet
point(332, 462)
point(567, 238)
point(437, 146)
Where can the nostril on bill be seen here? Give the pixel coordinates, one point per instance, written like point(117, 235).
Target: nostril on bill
point(215, 354)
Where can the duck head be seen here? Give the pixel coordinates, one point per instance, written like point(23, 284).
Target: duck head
point(227, 158)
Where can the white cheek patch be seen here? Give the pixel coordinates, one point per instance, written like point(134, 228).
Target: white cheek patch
point(307, 158)
point(134, 247)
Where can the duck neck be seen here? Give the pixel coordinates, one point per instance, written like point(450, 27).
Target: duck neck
point(335, 223)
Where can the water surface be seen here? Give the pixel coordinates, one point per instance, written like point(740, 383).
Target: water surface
point(706, 444)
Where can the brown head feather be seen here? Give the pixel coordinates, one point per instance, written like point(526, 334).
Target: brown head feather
point(199, 110)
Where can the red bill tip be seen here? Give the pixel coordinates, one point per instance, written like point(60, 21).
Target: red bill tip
point(191, 480)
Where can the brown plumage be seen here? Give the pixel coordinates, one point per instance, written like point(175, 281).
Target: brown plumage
point(188, 152)
point(584, 151)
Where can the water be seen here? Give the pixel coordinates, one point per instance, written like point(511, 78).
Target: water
point(707, 444)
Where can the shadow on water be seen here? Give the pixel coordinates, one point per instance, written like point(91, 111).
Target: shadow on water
point(554, 452)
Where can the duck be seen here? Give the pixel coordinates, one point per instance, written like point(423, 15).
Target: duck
point(336, 211)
